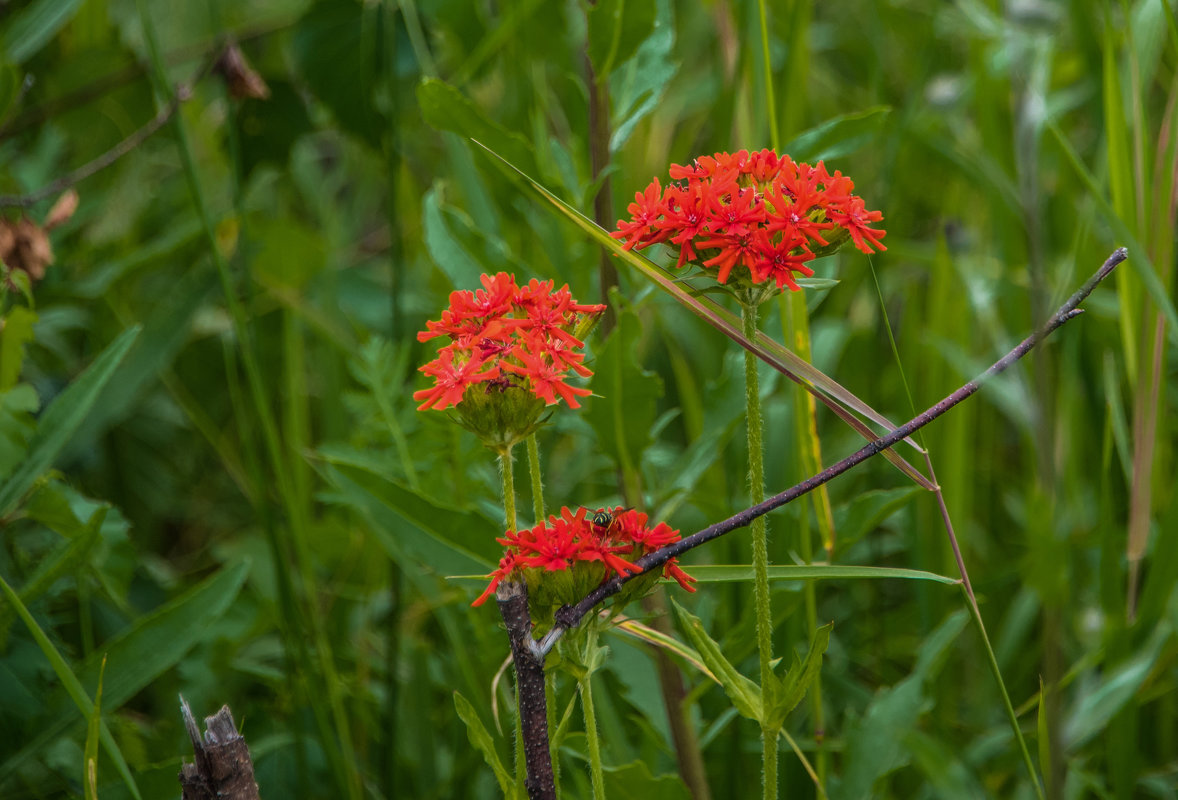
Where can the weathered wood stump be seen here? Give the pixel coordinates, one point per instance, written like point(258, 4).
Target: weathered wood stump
point(223, 769)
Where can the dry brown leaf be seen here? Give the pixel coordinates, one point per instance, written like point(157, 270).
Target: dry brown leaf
point(62, 210)
point(243, 81)
point(24, 246)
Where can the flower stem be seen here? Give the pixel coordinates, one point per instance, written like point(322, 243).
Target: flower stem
point(586, 686)
point(505, 470)
point(752, 389)
point(537, 483)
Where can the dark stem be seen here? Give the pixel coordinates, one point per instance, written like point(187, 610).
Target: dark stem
point(529, 687)
point(569, 616)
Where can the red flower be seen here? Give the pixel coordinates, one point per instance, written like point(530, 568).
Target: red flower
point(567, 541)
point(505, 328)
point(451, 379)
point(751, 215)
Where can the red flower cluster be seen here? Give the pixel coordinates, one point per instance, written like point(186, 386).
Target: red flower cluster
point(565, 542)
point(504, 330)
point(760, 211)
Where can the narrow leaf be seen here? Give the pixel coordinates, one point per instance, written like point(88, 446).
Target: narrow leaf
point(62, 418)
point(744, 694)
point(729, 573)
point(478, 735)
point(795, 684)
point(447, 109)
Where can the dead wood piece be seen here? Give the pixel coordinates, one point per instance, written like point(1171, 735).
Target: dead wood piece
point(223, 768)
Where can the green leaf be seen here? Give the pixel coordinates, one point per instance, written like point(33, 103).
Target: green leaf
point(838, 136)
point(167, 327)
point(32, 27)
point(729, 573)
point(797, 681)
point(481, 738)
point(442, 225)
point(616, 29)
point(73, 687)
point(334, 48)
point(1097, 707)
point(409, 525)
point(624, 412)
point(54, 512)
point(863, 513)
point(875, 742)
point(817, 283)
point(634, 781)
point(638, 86)
point(447, 109)
point(16, 333)
point(744, 694)
point(62, 418)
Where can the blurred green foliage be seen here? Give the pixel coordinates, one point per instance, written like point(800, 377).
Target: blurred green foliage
point(213, 473)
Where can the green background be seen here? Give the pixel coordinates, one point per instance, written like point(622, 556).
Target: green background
point(240, 503)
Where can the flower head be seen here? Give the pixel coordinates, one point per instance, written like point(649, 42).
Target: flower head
point(511, 349)
point(754, 218)
point(570, 554)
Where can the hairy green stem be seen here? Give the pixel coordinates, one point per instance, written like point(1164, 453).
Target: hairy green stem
point(537, 483)
point(752, 390)
point(505, 471)
point(585, 685)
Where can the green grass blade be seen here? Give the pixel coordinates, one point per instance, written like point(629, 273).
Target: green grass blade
point(33, 27)
point(90, 752)
point(72, 686)
point(976, 613)
point(62, 418)
point(156, 643)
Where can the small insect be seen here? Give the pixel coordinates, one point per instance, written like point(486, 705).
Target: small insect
point(604, 520)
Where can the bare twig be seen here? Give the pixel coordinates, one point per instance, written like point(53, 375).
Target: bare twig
point(569, 616)
point(223, 769)
point(102, 162)
point(183, 92)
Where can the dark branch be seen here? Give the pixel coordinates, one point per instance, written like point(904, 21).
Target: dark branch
point(569, 616)
point(529, 687)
